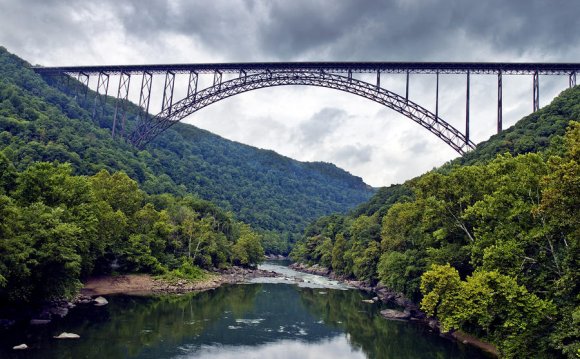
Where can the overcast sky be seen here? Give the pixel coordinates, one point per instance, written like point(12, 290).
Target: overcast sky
point(311, 124)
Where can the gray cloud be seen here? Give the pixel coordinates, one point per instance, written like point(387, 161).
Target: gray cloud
point(323, 29)
point(414, 30)
point(321, 125)
point(353, 154)
point(370, 30)
point(51, 24)
point(52, 32)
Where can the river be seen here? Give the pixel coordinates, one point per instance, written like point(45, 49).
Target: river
point(295, 316)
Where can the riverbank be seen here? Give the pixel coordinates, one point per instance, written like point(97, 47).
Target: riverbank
point(411, 310)
point(147, 284)
point(132, 284)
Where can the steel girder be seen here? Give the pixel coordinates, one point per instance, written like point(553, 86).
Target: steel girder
point(121, 103)
point(101, 94)
point(489, 68)
point(222, 90)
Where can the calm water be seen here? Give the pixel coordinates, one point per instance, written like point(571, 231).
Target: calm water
point(266, 319)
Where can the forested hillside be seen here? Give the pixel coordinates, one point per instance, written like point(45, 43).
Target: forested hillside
point(274, 194)
point(489, 244)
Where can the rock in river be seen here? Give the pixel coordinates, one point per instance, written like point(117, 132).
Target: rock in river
point(65, 335)
point(395, 314)
point(100, 301)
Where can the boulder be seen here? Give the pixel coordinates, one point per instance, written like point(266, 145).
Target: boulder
point(65, 335)
point(433, 324)
point(100, 301)
point(368, 301)
point(59, 311)
point(395, 314)
point(20, 347)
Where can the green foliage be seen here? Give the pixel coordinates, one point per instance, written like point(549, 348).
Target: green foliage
point(400, 271)
point(440, 286)
point(118, 190)
point(57, 228)
point(7, 174)
point(490, 304)
point(42, 246)
point(247, 251)
point(185, 271)
point(382, 200)
point(538, 132)
point(339, 249)
point(507, 223)
point(42, 120)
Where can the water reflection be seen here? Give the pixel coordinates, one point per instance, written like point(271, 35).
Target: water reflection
point(242, 321)
point(335, 348)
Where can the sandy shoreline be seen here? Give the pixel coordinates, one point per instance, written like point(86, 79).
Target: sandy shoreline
point(147, 284)
point(138, 284)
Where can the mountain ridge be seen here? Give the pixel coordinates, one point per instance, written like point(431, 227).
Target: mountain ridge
point(271, 192)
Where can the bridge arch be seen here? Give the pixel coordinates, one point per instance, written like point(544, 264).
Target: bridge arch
point(148, 128)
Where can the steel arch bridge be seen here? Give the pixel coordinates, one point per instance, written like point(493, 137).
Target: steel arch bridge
point(333, 75)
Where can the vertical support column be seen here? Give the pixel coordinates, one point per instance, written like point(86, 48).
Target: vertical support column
point(168, 92)
point(536, 91)
point(83, 78)
point(378, 79)
point(121, 103)
point(192, 84)
point(407, 91)
point(499, 101)
point(349, 75)
point(144, 99)
point(145, 95)
point(217, 79)
point(101, 95)
point(243, 75)
point(437, 95)
point(68, 77)
point(467, 110)
point(572, 79)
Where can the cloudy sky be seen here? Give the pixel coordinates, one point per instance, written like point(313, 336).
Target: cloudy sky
point(307, 123)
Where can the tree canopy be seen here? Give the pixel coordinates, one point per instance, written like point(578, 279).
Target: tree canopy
point(489, 244)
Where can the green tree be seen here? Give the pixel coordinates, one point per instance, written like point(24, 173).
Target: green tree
point(338, 251)
point(491, 304)
point(247, 251)
point(7, 175)
point(401, 271)
point(118, 190)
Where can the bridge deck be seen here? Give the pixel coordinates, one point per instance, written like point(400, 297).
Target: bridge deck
point(333, 67)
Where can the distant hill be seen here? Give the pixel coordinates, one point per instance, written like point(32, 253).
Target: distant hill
point(533, 133)
point(537, 132)
point(40, 120)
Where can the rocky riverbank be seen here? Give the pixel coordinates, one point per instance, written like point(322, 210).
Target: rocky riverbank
point(410, 310)
point(135, 284)
point(147, 284)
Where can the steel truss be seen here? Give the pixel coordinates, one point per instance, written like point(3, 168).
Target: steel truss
point(223, 90)
point(101, 94)
point(83, 78)
point(121, 103)
point(335, 75)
